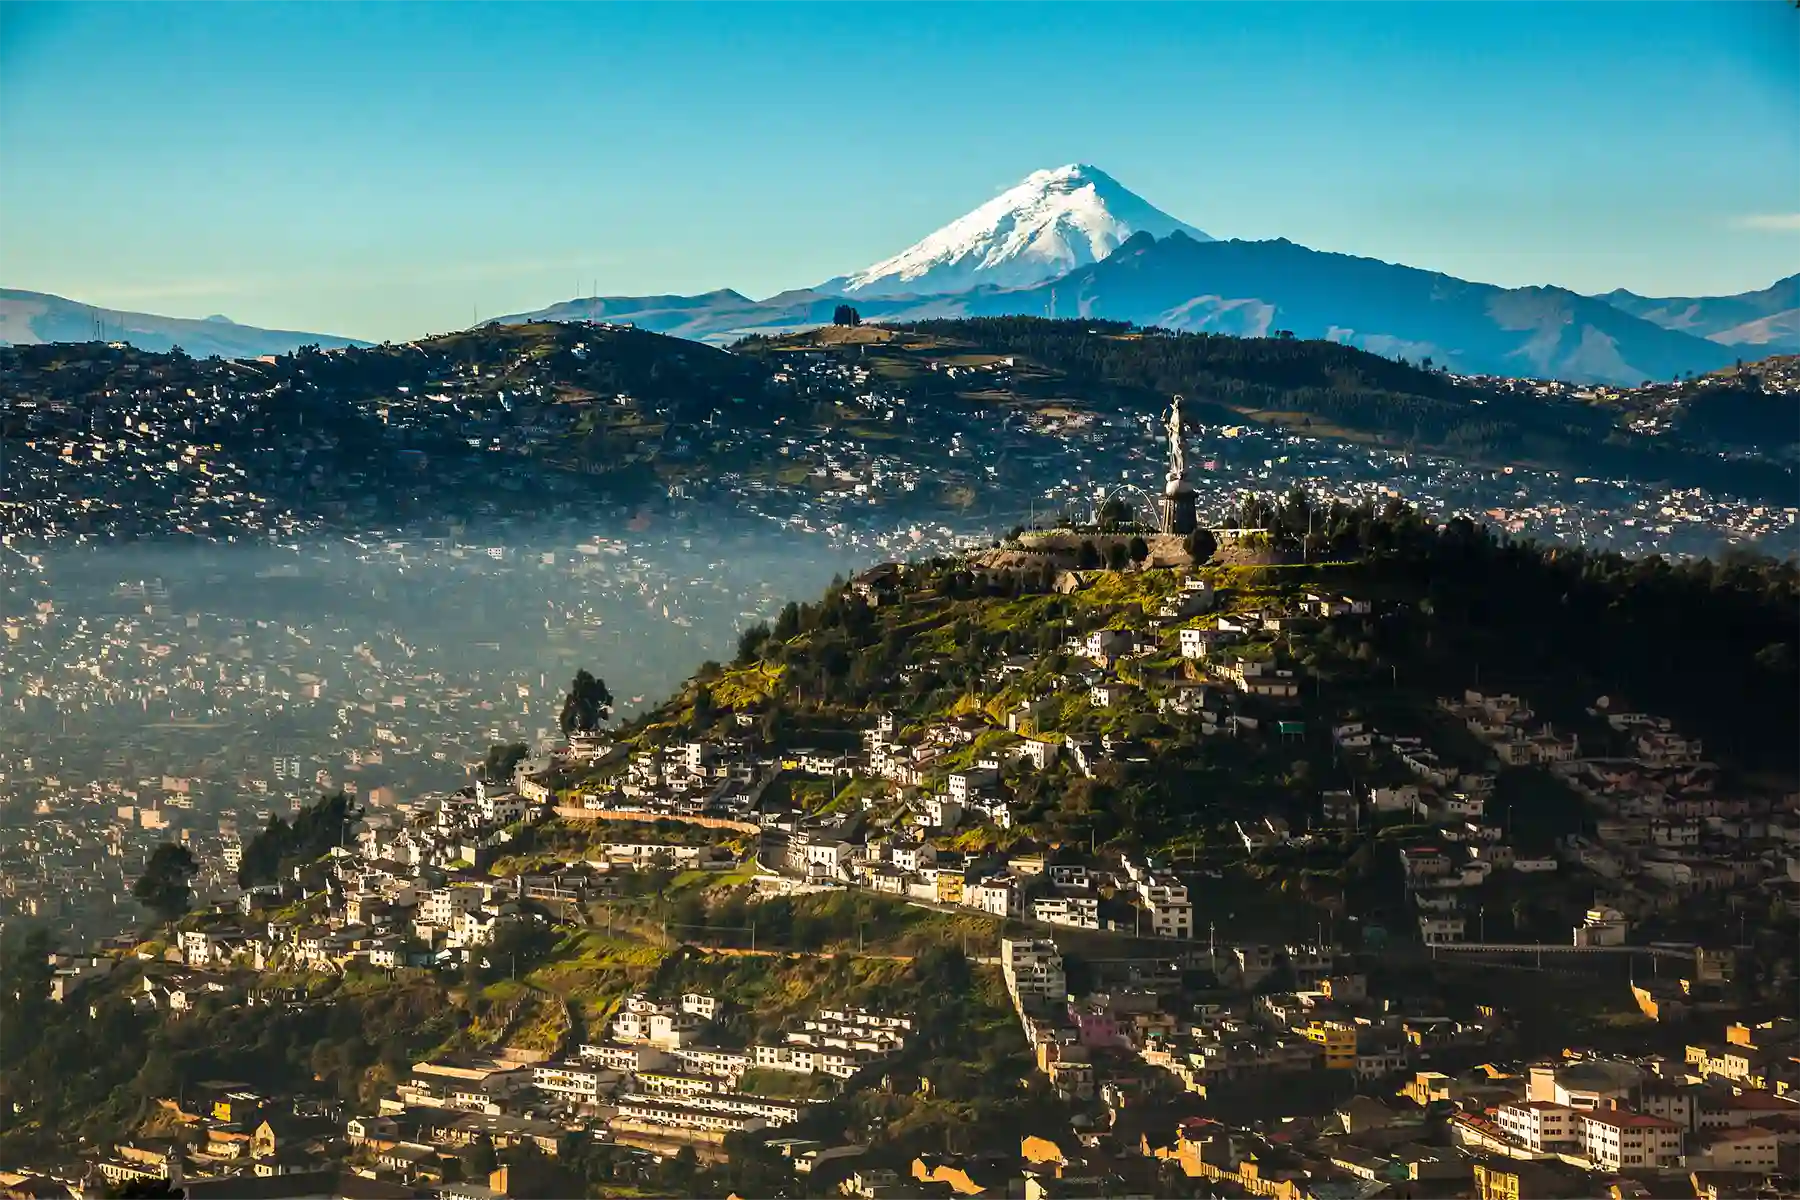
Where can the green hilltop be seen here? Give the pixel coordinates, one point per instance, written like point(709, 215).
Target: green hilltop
point(1323, 622)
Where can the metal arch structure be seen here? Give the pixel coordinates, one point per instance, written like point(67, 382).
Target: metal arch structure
point(1112, 493)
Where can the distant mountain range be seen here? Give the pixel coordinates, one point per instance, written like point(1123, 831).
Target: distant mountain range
point(1074, 242)
point(1255, 289)
point(1769, 319)
point(32, 318)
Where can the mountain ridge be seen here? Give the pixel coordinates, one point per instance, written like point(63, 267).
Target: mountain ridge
point(1767, 318)
point(1253, 289)
point(1122, 259)
point(30, 318)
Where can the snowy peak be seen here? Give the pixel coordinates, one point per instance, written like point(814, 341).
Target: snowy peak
point(1046, 226)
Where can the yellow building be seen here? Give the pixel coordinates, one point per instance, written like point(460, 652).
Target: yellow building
point(1339, 1041)
point(236, 1107)
point(1496, 1183)
point(1426, 1087)
point(950, 887)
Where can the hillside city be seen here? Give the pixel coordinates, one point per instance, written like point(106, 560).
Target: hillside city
point(455, 450)
point(635, 602)
point(1430, 940)
point(357, 699)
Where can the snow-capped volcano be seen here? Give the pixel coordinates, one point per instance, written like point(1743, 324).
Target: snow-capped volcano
point(1052, 223)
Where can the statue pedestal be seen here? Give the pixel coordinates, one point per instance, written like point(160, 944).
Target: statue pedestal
point(1178, 509)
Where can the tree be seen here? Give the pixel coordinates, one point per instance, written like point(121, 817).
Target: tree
point(846, 315)
point(316, 829)
point(163, 887)
point(1089, 556)
point(478, 1159)
point(1139, 549)
point(1113, 513)
point(787, 622)
point(704, 709)
point(587, 705)
point(750, 643)
point(1201, 545)
point(774, 726)
point(1117, 555)
point(502, 759)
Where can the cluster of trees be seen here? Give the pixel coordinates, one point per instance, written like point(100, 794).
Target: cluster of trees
point(315, 830)
point(587, 706)
point(844, 314)
point(518, 947)
point(164, 887)
point(502, 759)
point(1712, 644)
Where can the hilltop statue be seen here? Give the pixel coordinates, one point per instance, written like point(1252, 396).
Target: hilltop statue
point(1177, 452)
point(1178, 505)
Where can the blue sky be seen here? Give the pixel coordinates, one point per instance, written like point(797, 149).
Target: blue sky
point(383, 171)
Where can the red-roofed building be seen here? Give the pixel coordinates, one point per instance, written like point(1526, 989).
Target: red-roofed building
point(1617, 1139)
point(1743, 1149)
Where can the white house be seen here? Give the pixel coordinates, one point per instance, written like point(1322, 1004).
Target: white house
point(1440, 927)
point(997, 894)
point(1104, 645)
point(1166, 903)
point(964, 784)
point(941, 812)
point(1105, 695)
point(1081, 912)
point(1602, 927)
